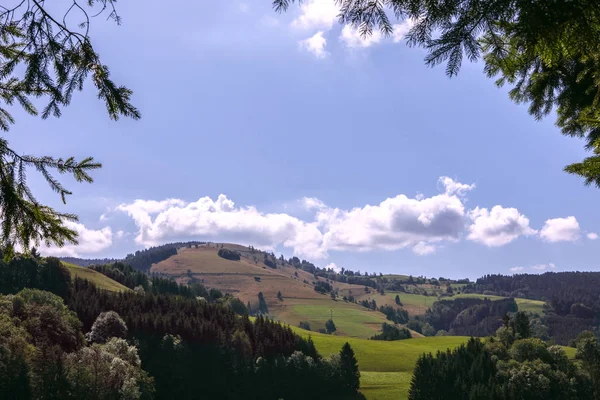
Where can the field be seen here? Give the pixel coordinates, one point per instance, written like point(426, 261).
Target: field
point(385, 367)
point(249, 276)
point(350, 319)
point(101, 281)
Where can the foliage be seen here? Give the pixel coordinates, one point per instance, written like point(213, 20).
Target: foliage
point(549, 52)
point(229, 254)
point(469, 316)
point(262, 304)
point(323, 287)
point(349, 367)
point(396, 315)
point(43, 56)
point(47, 359)
point(391, 332)
point(108, 371)
point(45, 274)
point(108, 325)
point(304, 325)
point(330, 326)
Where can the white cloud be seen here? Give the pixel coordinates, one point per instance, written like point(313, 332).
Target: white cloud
point(452, 187)
point(401, 29)
point(543, 267)
point(120, 234)
point(420, 223)
point(352, 37)
point(395, 223)
point(334, 267)
point(312, 203)
point(423, 249)
point(158, 222)
point(561, 230)
point(90, 241)
point(497, 227)
point(592, 236)
point(315, 44)
point(317, 14)
point(516, 269)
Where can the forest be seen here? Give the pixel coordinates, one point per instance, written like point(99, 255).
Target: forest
point(572, 301)
point(167, 345)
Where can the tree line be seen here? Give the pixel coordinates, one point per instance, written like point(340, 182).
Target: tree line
point(169, 346)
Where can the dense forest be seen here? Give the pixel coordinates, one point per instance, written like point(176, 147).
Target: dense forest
point(509, 366)
point(166, 346)
point(572, 298)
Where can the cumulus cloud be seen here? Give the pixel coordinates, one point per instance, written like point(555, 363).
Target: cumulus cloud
point(395, 223)
point(401, 29)
point(312, 203)
point(316, 14)
point(420, 223)
point(592, 236)
point(561, 230)
point(315, 45)
point(159, 221)
point(452, 187)
point(352, 37)
point(516, 269)
point(543, 267)
point(423, 249)
point(334, 267)
point(497, 227)
point(90, 241)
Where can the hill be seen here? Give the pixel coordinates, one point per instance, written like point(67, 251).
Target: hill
point(250, 275)
point(101, 281)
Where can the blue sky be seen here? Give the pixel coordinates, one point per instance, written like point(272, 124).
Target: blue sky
point(292, 133)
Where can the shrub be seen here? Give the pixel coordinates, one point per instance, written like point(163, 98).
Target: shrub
point(229, 254)
point(108, 325)
point(330, 326)
point(391, 332)
point(304, 325)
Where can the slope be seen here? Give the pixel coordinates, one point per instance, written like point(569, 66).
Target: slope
point(101, 281)
point(249, 276)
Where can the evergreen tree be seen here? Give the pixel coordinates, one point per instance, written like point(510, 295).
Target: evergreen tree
point(330, 326)
point(48, 54)
point(397, 299)
point(262, 304)
point(349, 367)
point(549, 51)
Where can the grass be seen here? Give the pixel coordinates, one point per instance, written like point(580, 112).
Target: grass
point(386, 367)
point(101, 281)
point(350, 319)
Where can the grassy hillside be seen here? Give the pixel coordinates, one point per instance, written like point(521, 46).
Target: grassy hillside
point(101, 281)
point(248, 276)
point(385, 367)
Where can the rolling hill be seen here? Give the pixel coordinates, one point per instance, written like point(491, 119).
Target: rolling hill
point(101, 281)
point(249, 276)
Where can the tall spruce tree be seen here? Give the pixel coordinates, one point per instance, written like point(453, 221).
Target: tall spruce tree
point(46, 52)
point(349, 367)
point(548, 51)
